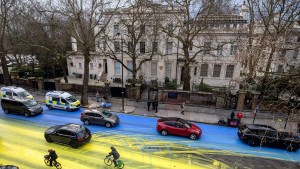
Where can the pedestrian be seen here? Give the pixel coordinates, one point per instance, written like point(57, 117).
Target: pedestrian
point(97, 96)
point(156, 105)
point(182, 108)
point(153, 104)
point(232, 115)
point(148, 104)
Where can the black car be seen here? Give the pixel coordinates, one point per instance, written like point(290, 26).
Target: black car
point(71, 134)
point(104, 118)
point(26, 107)
point(256, 134)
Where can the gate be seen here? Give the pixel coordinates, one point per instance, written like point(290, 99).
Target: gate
point(117, 92)
point(48, 85)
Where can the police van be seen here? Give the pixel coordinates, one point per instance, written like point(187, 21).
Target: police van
point(61, 100)
point(12, 92)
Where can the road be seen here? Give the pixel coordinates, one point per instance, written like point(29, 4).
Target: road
point(22, 143)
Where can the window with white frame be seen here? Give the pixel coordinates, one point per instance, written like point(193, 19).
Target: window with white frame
point(229, 71)
point(168, 70)
point(233, 49)
point(129, 65)
point(154, 69)
point(117, 46)
point(116, 29)
point(220, 49)
point(207, 47)
point(80, 65)
point(204, 70)
point(142, 47)
point(117, 68)
point(169, 47)
point(91, 66)
point(195, 71)
point(217, 71)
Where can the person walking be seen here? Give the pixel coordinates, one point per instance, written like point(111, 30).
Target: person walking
point(182, 108)
point(156, 105)
point(153, 104)
point(148, 104)
point(97, 96)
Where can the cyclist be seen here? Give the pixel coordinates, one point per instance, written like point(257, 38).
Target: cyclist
point(115, 154)
point(52, 156)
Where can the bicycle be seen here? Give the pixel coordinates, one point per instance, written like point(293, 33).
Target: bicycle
point(55, 163)
point(109, 160)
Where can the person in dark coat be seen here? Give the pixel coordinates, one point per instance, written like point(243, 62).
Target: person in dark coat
point(115, 154)
point(153, 105)
point(148, 105)
point(156, 105)
point(232, 115)
point(52, 156)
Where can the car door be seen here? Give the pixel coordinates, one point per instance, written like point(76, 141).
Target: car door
point(63, 103)
point(91, 118)
point(170, 127)
point(180, 130)
point(21, 108)
point(99, 119)
point(64, 136)
point(56, 102)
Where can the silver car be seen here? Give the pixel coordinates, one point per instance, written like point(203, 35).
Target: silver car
point(104, 118)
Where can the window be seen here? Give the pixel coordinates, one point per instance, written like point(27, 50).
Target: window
point(169, 47)
point(117, 46)
point(55, 99)
point(129, 65)
point(143, 29)
point(219, 49)
point(154, 31)
point(204, 70)
point(129, 29)
point(283, 52)
point(195, 71)
point(130, 47)
point(116, 29)
point(295, 55)
point(233, 49)
point(63, 101)
point(71, 64)
point(207, 47)
point(229, 71)
point(142, 47)
point(80, 65)
point(154, 47)
point(117, 68)
point(280, 68)
point(217, 71)
point(235, 25)
point(170, 27)
point(168, 70)
point(8, 93)
point(92, 66)
point(154, 69)
point(191, 47)
point(298, 40)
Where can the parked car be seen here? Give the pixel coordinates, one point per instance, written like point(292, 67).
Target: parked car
point(71, 134)
point(26, 107)
point(178, 126)
point(256, 134)
point(104, 118)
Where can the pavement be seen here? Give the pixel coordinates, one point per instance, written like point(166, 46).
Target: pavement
point(209, 115)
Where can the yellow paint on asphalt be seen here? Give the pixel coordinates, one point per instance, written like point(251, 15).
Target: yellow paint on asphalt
point(22, 144)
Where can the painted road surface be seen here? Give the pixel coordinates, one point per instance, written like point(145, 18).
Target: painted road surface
point(22, 143)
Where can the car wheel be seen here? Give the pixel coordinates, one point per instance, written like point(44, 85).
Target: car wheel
point(68, 109)
point(164, 132)
point(26, 114)
point(193, 136)
point(253, 142)
point(73, 144)
point(48, 139)
point(50, 107)
point(86, 122)
point(107, 124)
point(292, 148)
point(6, 111)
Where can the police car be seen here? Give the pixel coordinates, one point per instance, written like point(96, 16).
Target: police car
point(61, 100)
point(12, 92)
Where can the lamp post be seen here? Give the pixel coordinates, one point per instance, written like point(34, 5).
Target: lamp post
point(118, 34)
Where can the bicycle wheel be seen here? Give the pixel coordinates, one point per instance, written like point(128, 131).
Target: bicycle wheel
point(47, 161)
point(121, 165)
point(108, 161)
point(58, 165)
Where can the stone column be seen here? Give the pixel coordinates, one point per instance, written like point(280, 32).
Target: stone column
point(57, 84)
point(40, 83)
point(241, 100)
point(106, 88)
point(255, 99)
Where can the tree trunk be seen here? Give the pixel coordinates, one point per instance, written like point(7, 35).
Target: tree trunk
point(64, 73)
point(186, 73)
point(84, 94)
point(7, 80)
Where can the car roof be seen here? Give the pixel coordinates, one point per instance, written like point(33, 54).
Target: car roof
point(58, 94)
point(13, 88)
point(91, 111)
point(260, 127)
point(72, 127)
point(172, 119)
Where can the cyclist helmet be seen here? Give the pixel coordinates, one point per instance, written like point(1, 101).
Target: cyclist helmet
point(50, 150)
point(112, 148)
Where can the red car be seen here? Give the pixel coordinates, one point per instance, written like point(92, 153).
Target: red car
point(179, 127)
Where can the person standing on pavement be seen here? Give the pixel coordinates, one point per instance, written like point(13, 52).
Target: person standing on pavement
point(97, 96)
point(153, 104)
point(156, 105)
point(182, 108)
point(148, 104)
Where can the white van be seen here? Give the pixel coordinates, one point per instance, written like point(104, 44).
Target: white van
point(12, 92)
point(61, 100)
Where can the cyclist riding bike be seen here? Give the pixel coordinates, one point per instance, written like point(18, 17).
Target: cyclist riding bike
point(115, 154)
point(52, 156)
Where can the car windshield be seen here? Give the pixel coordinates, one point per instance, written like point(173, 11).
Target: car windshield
point(30, 103)
point(106, 113)
point(23, 94)
point(71, 99)
point(185, 123)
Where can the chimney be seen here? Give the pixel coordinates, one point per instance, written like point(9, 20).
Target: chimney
point(74, 44)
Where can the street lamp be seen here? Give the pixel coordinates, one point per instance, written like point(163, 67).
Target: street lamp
point(118, 34)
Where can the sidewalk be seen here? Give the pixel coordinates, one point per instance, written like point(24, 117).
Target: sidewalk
point(207, 115)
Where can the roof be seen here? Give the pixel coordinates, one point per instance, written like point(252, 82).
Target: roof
point(72, 127)
point(260, 127)
point(58, 94)
point(12, 88)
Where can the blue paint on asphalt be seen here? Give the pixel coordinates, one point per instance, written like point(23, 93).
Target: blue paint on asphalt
point(213, 137)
